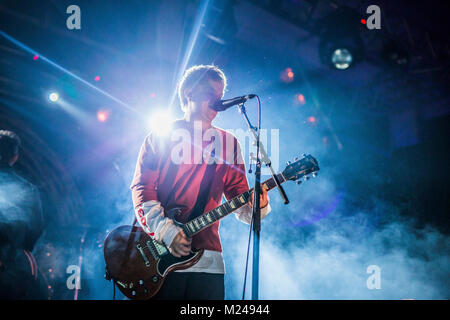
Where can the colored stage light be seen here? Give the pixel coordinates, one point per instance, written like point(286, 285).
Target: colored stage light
point(342, 58)
point(287, 75)
point(341, 45)
point(290, 74)
point(102, 115)
point(53, 97)
point(97, 78)
point(312, 119)
point(301, 99)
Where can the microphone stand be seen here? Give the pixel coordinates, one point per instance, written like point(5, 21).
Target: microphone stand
point(257, 192)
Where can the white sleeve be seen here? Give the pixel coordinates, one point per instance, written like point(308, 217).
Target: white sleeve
point(150, 216)
point(244, 214)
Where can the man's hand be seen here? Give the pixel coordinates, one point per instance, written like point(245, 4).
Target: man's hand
point(181, 245)
point(263, 200)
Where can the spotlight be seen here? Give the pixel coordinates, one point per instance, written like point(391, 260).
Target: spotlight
point(160, 122)
point(301, 99)
point(102, 115)
point(287, 75)
point(341, 54)
point(53, 97)
point(312, 119)
point(341, 58)
point(341, 45)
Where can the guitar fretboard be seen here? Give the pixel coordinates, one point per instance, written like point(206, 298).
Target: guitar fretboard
point(208, 218)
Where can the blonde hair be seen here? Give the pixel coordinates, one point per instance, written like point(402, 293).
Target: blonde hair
point(197, 75)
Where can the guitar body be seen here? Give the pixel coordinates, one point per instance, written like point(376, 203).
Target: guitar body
point(139, 264)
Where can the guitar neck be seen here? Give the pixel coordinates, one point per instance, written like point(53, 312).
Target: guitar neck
point(205, 220)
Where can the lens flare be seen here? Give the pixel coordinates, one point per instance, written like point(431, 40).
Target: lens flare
point(161, 122)
point(53, 97)
point(102, 115)
point(342, 59)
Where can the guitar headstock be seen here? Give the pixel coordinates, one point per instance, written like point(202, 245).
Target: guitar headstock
point(301, 168)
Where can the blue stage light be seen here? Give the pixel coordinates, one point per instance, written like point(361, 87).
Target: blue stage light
point(342, 58)
point(53, 97)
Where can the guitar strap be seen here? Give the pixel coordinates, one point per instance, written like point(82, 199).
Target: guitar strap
point(205, 190)
point(205, 185)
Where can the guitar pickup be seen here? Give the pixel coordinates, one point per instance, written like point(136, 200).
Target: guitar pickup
point(141, 251)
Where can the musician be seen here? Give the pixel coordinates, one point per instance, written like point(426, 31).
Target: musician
point(21, 225)
point(162, 182)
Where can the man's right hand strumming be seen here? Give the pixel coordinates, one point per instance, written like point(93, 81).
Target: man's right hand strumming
point(181, 245)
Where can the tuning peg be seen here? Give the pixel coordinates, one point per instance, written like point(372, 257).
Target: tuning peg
point(314, 174)
point(304, 155)
point(307, 178)
point(288, 162)
point(296, 158)
point(299, 181)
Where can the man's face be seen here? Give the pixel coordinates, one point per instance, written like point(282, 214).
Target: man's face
point(204, 97)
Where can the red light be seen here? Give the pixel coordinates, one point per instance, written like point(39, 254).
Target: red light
point(312, 119)
point(102, 115)
point(97, 78)
point(363, 21)
point(301, 99)
point(287, 75)
point(35, 57)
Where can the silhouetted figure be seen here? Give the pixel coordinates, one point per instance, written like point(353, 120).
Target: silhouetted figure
point(21, 224)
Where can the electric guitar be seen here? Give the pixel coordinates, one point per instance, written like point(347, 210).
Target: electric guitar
point(139, 264)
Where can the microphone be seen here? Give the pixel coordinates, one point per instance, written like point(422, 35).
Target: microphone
point(223, 105)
